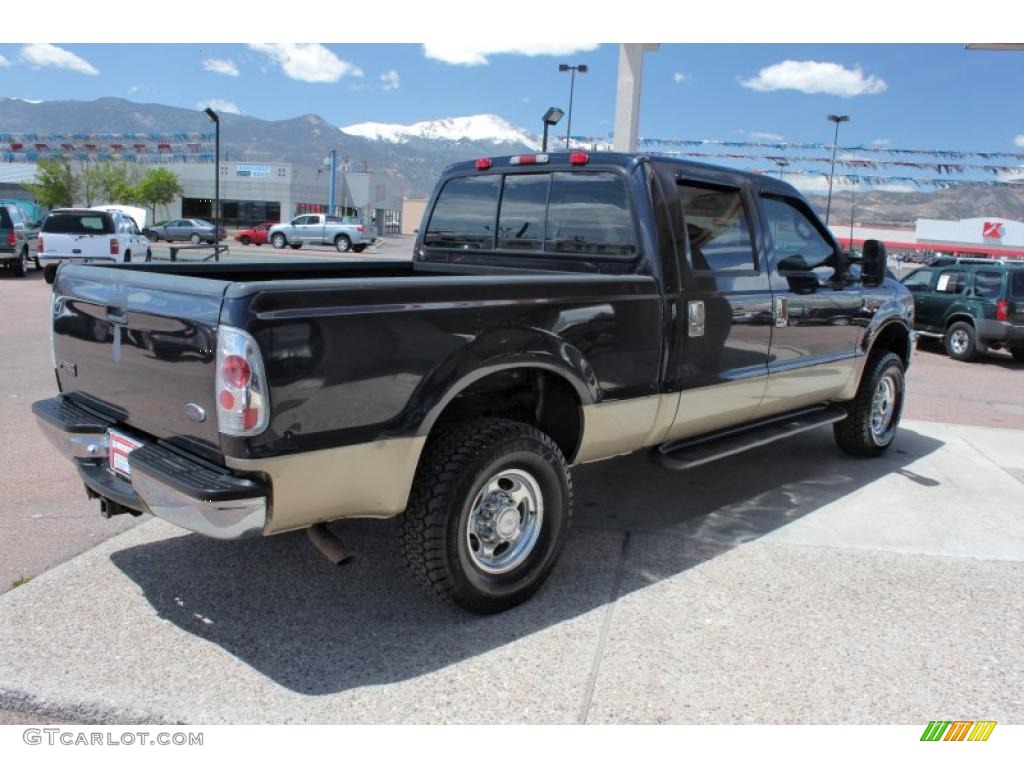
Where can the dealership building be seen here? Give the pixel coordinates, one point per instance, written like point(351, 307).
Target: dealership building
point(984, 236)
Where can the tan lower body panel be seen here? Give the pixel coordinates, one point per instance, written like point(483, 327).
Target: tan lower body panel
point(364, 480)
point(706, 409)
point(623, 426)
point(801, 387)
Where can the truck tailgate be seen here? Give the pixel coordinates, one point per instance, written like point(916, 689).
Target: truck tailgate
point(141, 345)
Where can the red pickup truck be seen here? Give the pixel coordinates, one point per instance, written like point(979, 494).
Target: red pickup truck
point(256, 235)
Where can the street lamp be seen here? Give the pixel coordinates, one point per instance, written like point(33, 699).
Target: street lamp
point(837, 119)
point(574, 68)
point(215, 119)
point(551, 117)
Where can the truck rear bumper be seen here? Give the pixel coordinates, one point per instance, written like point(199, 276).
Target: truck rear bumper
point(182, 489)
point(999, 330)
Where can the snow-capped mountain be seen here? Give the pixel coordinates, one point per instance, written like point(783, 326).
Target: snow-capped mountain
point(481, 128)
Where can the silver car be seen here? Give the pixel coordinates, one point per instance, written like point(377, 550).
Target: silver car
point(195, 231)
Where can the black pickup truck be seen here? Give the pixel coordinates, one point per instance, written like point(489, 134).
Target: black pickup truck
point(559, 309)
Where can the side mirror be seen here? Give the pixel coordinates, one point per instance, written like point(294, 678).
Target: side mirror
point(874, 263)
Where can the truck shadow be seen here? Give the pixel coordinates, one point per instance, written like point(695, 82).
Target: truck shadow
point(277, 605)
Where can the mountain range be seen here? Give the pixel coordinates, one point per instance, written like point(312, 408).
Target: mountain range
point(416, 154)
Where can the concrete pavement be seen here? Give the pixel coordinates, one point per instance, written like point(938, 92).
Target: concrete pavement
point(789, 584)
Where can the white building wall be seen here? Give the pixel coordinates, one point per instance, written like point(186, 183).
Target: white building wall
point(972, 231)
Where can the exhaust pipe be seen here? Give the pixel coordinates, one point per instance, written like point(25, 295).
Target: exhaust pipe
point(330, 546)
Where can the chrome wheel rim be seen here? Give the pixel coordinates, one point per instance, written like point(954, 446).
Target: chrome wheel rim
point(505, 521)
point(883, 405)
point(959, 340)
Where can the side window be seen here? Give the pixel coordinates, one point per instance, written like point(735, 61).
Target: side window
point(523, 208)
point(799, 247)
point(951, 282)
point(464, 214)
point(718, 229)
point(919, 281)
point(589, 213)
point(988, 285)
point(1017, 284)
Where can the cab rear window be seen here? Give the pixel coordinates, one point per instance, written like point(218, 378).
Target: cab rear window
point(584, 213)
point(84, 223)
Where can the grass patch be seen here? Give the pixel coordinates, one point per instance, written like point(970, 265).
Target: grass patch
point(20, 581)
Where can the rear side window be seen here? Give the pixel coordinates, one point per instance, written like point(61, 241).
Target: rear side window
point(718, 229)
point(79, 224)
point(5, 218)
point(1017, 284)
point(523, 207)
point(988, 285)
point(922, 277)
point(464, 214)
point(589, 213)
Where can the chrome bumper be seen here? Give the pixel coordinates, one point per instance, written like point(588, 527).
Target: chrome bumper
point(164, 491)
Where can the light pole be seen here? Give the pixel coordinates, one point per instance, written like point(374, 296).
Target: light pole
point(837, 119)
point(551, 117)
point(573, 68)
point(216, 176)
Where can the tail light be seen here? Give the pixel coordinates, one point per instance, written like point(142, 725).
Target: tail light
point(528, 160)
point(579, 158)
point(359, 228)
point(484, 163)
point(1003, 310)
point(39, 244)
point(12, 239)
point(243, 404)
point(115, 246)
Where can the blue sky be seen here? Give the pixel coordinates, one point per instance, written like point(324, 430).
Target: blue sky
point(937, 96)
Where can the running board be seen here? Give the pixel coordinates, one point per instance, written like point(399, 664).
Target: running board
point(692, 452)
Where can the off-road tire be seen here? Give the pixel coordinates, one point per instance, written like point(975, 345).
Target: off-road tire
point(854, 434)
point(457, 461)
point(970, 352)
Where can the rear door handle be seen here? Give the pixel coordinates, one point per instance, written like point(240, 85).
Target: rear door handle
point(781, 311)
point(695, 318)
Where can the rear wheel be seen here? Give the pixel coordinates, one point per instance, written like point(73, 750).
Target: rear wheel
point(20, 264)
point(343, 243)
point(488, 514)
point(194, 238)
point(245, 240)
point(960, 341)
point(874, 413)
point(295, 246)
point(1018, 354)
point(154, 236)
point(358, 248)
point(279, 240)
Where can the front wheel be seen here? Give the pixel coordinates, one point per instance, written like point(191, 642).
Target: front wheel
point(194, 238)
point(874, 413)
point(245, 240)
point(489, 513)
point(154, 236)
point(960, 342)
point(279, 240)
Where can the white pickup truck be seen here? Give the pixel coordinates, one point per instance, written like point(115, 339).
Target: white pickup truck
point(320, 229)
point(87, 235)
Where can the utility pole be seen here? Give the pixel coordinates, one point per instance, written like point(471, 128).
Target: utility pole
point(837, 119)
point(330, 194)
point(573, 68)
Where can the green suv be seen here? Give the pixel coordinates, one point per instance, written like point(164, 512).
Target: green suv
point(971, 304)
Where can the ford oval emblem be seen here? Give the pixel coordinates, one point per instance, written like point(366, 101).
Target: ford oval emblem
point(195, 412)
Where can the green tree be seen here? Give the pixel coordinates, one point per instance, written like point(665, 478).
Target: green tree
point(119, 182)
point(158, 186)
point(55, 184)
point(90, 182)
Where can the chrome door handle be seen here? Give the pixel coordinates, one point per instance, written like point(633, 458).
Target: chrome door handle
point(695, 318)
point(781, 311)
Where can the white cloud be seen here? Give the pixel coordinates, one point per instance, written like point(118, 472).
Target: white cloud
point(474, 54)
point(221, 67)
point(680, 77)
point(1019, 139)
point(4, 61)
point(524, 99)
point(815, 77)
point(219, 105)
point(309, 62)
point(765, 136)
point(881, 143)
point(390, 80)
point(47, 55)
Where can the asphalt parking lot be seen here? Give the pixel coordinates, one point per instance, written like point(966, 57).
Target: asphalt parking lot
point(791, 584)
